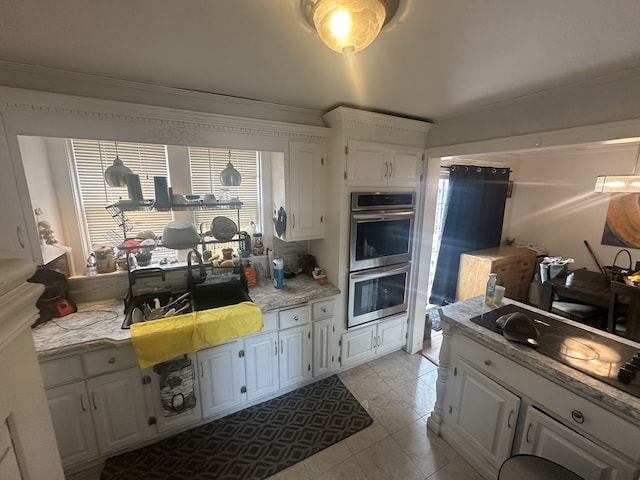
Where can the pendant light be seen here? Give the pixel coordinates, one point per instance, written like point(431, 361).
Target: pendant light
point(115, 174)
point(620, 183)
point(230, 177)
point(348, 26)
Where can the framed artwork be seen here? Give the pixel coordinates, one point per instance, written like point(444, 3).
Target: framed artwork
point(622, 226)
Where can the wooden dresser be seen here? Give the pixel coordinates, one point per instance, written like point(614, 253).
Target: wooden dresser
point(514, 268)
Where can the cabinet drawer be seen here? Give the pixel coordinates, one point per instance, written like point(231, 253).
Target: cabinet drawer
point(62, 370)
point(294, 317)
point(598, 424)
point(322, 309)
point(269, 322)
point(109, 360)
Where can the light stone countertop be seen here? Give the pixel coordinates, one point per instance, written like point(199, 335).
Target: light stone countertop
point(98, 324)
point(459, 314)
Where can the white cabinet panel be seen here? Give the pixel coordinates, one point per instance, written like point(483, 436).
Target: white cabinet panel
point(381, 165)
point(71, 415)
point(295, 356)
point(119, 409)
point(391, 335)
point(221, 377)
point(358, 345)
point(261, 359)
point(323, 356)
point(547, 438)
point(485, 415)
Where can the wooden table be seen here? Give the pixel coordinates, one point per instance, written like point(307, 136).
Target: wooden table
point(588, 287)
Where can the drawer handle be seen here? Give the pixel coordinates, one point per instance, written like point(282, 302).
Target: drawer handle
point(82, 402)
point(112, 360)
point(296, 318)
point(528, 430)
point(509, 418)
point(281, 347)
point(487, 362)
point(93, 399)
point(324, 310)
point(577, 416)
point(276, 344)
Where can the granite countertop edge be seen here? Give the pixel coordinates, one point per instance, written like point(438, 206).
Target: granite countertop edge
point(459, 314)
point(98, 324)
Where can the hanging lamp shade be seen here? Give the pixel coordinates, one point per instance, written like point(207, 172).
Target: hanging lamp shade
point(348, 26)
point(620, 183)
point(230, 177)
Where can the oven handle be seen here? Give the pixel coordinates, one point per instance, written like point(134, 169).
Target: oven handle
point(382, 215)
point(380, 272)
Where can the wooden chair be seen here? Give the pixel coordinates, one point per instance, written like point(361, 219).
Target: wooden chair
point(624, 311)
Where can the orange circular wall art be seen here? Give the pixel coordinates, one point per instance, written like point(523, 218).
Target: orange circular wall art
point(622, 228)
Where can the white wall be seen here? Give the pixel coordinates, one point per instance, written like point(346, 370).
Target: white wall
point(554, 205)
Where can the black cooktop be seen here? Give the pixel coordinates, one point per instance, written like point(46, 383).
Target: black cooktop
point(598, 356)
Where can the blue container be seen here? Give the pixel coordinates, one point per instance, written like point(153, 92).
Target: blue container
point(278, 272)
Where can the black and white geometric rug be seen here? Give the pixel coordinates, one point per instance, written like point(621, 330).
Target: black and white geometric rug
point(251, 444)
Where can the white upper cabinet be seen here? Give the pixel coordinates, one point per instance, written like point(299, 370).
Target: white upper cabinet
point(376, 165)
point(299, 188)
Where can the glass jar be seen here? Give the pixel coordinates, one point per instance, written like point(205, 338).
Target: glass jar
point(258, 246)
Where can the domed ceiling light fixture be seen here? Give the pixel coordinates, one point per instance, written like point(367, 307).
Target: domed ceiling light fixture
point(230, 177)
point(620, 183)
point(348, 26)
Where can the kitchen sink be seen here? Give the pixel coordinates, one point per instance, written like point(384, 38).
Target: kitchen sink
point(202, 297)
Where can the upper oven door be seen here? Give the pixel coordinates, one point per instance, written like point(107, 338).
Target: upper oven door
point(380, 238)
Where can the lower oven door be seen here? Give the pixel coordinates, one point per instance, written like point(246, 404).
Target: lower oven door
point(377, 293)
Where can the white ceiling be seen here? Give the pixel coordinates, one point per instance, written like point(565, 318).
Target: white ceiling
point(435, 60)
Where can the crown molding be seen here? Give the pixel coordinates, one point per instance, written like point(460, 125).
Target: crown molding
point(170, 124)
point(362, 118)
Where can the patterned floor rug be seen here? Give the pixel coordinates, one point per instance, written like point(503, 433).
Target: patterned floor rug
point(252, 444)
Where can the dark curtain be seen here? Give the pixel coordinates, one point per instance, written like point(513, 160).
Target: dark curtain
point(473, 221)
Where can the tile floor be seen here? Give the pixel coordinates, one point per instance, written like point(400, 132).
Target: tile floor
point(398, 391)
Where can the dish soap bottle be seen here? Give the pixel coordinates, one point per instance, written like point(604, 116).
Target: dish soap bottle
point(490, 292)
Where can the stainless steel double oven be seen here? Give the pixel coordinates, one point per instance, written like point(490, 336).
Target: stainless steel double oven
point(380, 248)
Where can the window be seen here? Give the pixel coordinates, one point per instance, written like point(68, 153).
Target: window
point(441, 208)
point(91, 158)
point(206, 165)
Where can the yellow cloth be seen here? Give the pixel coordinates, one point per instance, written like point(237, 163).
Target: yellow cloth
point(160, 340)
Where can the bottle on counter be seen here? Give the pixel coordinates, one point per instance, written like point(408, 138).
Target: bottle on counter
point(490, 292)
point(250, 275)
point(92, 265)
point(278, 272)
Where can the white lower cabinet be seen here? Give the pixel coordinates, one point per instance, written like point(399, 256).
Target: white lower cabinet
point(545, 437)
point(99, 415)
point(490, 408)
point(325, 346)
point(363, 343)
point(261, 359)
point(484, 415)
point(295, 356)
point(222, 377)
point(72, 423)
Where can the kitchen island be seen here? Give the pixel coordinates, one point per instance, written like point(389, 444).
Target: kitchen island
point(496, 398)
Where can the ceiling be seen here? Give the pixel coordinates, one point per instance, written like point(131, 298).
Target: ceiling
point(435, 60)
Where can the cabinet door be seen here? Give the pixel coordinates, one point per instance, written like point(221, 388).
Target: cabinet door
point(13, 234)
point(391, 334)
point(221, 378)
point(71, 415)
point(295, 355)
point(367, 164)
point(404, 171)
point(307, 191)
point(119, 409)
point(358, 345)
point(485, 415)
point(323, 354)
point(261, 363)
point(545, 437)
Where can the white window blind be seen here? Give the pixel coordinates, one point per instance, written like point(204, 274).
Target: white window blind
point(91, 159)
point(206, 165)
